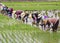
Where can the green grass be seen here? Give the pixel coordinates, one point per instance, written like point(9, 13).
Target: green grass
point(7, 23)
point(33, 5)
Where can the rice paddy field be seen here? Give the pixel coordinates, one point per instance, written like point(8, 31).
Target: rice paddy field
point(14, 31)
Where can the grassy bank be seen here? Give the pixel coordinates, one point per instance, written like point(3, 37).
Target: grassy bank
point(7, 23)
point(33, 5)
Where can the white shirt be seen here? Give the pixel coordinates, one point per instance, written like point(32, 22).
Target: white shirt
point(50, 14)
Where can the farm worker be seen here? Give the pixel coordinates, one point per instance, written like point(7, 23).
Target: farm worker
point(13, 14)
point(1, 6)
point(5, 8)
point(34, 17)
point(25, 18)
point(10, 11)
point(30, 19)
point(43, 12)
point(43, 15)
point(22, 14)
point(56, 14)
point(44, 18)
point(18, 14)
point(50, 14)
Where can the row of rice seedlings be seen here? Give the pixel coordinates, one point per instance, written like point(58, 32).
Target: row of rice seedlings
point(17, 37)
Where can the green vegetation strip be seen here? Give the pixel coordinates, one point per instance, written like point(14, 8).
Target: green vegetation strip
point(7, 23)
point(33, 5)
